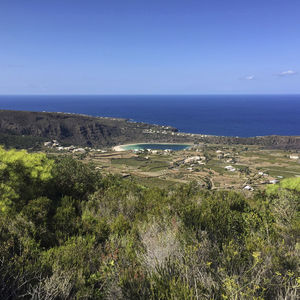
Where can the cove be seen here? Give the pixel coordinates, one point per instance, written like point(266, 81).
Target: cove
point(158, 146)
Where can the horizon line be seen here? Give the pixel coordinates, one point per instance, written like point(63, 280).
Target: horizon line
point(209, 94)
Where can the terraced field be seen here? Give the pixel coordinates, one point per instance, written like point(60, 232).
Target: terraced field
point(167, 169)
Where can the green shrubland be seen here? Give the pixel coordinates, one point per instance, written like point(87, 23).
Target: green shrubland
point(67, 232)
point(292, 184)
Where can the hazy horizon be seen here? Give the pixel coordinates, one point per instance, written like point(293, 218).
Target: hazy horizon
point(161, 95)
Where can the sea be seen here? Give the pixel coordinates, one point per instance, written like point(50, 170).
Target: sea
point(223, 115)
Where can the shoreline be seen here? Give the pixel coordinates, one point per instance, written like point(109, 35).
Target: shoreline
point(120, 148)
point(15, 123)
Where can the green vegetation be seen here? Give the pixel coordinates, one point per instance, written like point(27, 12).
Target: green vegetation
point(68, 232)
point(142, 163)
point(21, 141)
point(291, 184)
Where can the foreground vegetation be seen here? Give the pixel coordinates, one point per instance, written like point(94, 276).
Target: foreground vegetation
point(66, 232)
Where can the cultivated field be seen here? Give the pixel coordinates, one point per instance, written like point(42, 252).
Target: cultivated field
point(213, 166)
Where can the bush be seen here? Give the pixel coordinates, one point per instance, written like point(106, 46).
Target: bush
point(23, 177)
point(74, 178)
point(66, 232)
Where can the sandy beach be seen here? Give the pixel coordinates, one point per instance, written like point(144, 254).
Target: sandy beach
point(123, 147)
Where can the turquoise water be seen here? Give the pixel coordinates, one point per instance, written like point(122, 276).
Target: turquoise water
point(175, 147)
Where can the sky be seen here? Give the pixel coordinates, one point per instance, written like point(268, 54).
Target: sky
point(149, 47)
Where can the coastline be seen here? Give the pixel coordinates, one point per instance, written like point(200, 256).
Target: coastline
point(120, 148)
point(240, 118)
point(78, 130)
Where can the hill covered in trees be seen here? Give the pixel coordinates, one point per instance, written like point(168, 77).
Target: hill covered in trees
point(29, 129)
point(67, 232)
point(79, 130)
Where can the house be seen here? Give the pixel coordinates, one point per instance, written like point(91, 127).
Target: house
point(230, 160)
point(69, 148)
point(230, 168)
point(248, 188)
point(137, 151)
point(79, 150)
point(262, 174)
point(274, 181)
point(168, 150)
point(192, 159)
point(48, 144)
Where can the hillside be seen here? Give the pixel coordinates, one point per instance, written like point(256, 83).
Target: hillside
point(75, 129)
point(83, 130)
point(70, 232)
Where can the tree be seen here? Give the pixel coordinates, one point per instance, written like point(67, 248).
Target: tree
point(74, 178)
point(22, 177)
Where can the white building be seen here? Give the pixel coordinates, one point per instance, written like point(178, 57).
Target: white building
point(79, 150)
point(192, 159)
point(262, 174)
point(230, 168)
point(274, 181)
point(248, 188)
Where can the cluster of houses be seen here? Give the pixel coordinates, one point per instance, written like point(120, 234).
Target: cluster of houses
point(228, 157)
point(168, 131)
point(152, 151)
point(54, 144)
point(195, 159)
point(152, 131)
point(191, 162)
point(270, 181)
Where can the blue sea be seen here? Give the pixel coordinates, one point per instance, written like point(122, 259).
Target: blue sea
point(225, 115)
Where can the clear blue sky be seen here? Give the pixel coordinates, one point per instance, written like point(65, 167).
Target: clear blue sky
point(149, 46)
